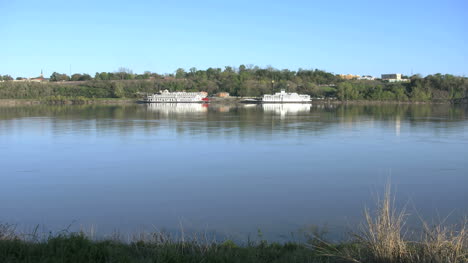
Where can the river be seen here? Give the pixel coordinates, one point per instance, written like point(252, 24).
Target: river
point(228, 169)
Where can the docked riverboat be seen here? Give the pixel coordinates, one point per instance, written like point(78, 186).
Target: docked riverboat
point(177, 97)
point(285, 97)
point(280, 97)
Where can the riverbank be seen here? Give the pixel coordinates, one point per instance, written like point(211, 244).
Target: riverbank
point(78, 248)
point(382, 239)
point(231, 101)
point(106, 101)
point(382, 242)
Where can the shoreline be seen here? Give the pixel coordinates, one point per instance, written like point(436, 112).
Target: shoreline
point(214, 101)
point(104, 101)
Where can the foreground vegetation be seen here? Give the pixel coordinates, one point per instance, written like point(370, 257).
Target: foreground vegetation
point(382, 239)
point(77, 248)
point(243, 81)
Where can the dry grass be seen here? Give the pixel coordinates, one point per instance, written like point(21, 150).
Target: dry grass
point(382, 233)
point(382, 239)
point(7, 232)
point(443, 244)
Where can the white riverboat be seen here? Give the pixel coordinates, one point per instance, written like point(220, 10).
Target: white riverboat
point(177, 97)
point(285, 97)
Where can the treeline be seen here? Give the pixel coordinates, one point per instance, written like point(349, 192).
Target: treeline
point(6, 78)
point(436, 87)
point(250, 81)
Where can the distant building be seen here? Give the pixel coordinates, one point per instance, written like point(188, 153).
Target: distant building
point(38, 79)
point(222, 94)
point(348, 76)
point(396, 77)
point(21, 80)
point(366, 77)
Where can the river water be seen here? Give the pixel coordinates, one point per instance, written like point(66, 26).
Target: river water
point(228, 169)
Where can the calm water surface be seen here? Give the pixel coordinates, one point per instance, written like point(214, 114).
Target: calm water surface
point(230, 169)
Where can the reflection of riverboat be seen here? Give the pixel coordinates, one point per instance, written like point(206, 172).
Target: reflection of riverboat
point(251, 101)
point(178, 108)
point(286, 109)
point(177, 97)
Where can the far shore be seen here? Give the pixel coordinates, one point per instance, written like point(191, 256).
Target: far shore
point(217, 101)
point(18, 102)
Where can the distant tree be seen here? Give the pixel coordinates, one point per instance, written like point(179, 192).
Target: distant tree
point(81, 77)
point(58, 77)
point(104, 76)
point(242, 68)
point(6, 77)
point(248, 80)
point(180, 73)
point(124, 73)
point(400, 92)
point(117, 90)
point(85, 77)
point(112, 76)
point(156, 76)
point(228, 69)
point(346, 91)
point(75, 77)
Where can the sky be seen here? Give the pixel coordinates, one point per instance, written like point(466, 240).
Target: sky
point(343, 37)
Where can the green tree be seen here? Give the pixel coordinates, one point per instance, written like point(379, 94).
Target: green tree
point(180, 73)
point(6, 78)
point(117, 90)
point(346, 91)
point(58, 77)
point(400, 93)
point(104, 76)
point(75, 77)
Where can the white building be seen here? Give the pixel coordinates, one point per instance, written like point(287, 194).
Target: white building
point(396, 77)
point(366, 77)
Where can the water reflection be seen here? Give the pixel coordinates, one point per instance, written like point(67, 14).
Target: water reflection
point(286, 109)
point(397, 125)
point(241, 120)
point(168, 109)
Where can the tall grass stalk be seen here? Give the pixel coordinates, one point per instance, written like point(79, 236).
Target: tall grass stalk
point(7, 232)
point(382, 234)
point(382, 239)
point(444, 244)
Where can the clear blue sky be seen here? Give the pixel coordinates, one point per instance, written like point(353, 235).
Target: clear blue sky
point(359, 37)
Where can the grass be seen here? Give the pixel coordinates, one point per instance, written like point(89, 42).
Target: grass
point(7, 232)
point(382, 239)
point(444, 244)
point(382, 233)
point(78, 248)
